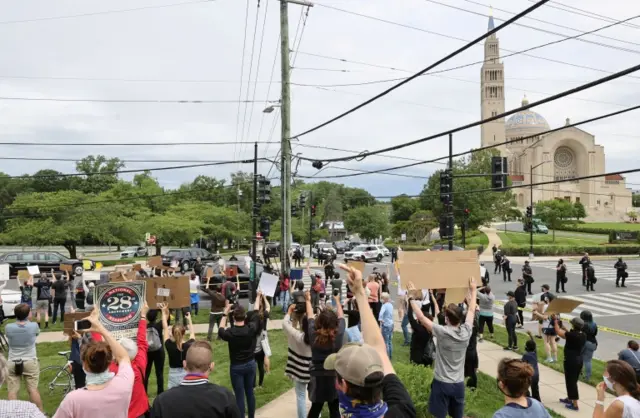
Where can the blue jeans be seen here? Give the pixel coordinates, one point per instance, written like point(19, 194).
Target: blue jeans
point(387, 335)
point(242, 378)
point(301, 399)
point(405, 328)
point(284, 297)
point(587, 355)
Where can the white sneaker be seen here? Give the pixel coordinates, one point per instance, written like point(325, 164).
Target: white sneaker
point(549, 360)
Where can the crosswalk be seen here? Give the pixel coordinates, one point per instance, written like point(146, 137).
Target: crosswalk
point(603, 271)
point(600, 304)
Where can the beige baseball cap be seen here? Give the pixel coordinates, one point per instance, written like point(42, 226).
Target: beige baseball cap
point(355, 363)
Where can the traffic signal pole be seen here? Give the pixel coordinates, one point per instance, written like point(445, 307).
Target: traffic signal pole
point(254, 213)
point(310, 223)
point(450, 221)
point(531, 218)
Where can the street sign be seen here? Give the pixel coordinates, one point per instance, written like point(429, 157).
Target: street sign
point(147, 236)
point(626, 236)
point(403, 237)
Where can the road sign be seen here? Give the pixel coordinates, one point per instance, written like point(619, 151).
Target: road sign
point(403, 237)
point(147, 236)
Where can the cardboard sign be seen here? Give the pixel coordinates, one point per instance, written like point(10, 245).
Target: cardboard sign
point(231, 271)
point(268, 284)
point(562, 305)
point(23, 274)
point(455, 295)
point(66, 267)
point(4, 272)
point(155, 261)
point(174, 291)
point(122, 267)
point(208, 273)
point(439, 269)
point(33, 270)
point(137, 267)
point(70, 318)
point(358, 265)
point(120, 306)
point(120, 276)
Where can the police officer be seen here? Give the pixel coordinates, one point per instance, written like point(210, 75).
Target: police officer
point(497, 260)
point(591, 277)
point(584, 262)
point(527, 275)
point(506, 268)
point(621, 272)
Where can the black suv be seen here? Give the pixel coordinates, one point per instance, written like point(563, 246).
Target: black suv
point(341, 247)
point(187, 257)
point(45, 260)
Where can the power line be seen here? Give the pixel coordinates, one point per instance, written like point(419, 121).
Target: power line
point(586, 13)
point(496, 117)
point(124, 161)
point(120, 144)
point(244, 47)
point(619, 48)
point(42, 19)
point(511, 141)
point(418, 74)
point(300, 144)
point(512, 53)
point(159, 101)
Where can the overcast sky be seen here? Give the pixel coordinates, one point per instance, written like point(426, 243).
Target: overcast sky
point(193, 51)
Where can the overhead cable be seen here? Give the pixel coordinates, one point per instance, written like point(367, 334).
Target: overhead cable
point(585, 13)
point(430, 67)
point(120, 144)
point(160, 101)
point(244, 48)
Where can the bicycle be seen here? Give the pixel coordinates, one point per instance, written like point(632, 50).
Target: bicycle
point(61, 377)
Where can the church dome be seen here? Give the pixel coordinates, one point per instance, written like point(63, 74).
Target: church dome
point(525, 123)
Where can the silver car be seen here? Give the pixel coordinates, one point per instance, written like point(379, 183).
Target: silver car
point(132, 252)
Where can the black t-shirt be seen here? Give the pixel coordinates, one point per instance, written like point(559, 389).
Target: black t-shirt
point(60, 289)
point(242, 341)
point(575, 344)
point(397, 398)
point(44, 289)
point(176, 356)
point(547, 295)
point(197, 398)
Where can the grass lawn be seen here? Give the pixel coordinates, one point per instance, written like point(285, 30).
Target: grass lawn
point(477, 240)
point(612, 225)
point(598, 366)
point(522, 238)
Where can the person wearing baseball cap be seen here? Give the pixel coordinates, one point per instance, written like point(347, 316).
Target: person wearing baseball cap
point(364, 376)
point(575, 341)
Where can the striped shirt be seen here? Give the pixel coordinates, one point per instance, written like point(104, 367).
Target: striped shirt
point(299, 354)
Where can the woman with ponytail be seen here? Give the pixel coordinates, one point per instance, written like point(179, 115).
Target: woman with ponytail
point(620, 378)
point(514, 379)
point(326, 332)
point(176, 346)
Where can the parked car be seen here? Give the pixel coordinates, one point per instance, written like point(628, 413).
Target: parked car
point(10, 299)
point(131, 252)
point(186, 257)
point(354, 244)
point(385, 250)
point(45, 260)
point(244, 275)
point(341, 247)
point(272, 249)
point(365, 253)
point(322, 250)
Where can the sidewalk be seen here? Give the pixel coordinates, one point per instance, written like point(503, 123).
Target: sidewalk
point(552, 387)
point(494, 239)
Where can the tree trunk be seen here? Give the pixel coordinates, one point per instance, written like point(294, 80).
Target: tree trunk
point(118, 249)
point(554, 235)
point(72, 250)
point(158, 248)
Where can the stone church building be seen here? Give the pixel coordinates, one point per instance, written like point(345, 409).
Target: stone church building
point(564, 154)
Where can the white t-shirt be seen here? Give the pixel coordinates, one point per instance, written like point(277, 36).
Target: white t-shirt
point(194, 285)
point(631, 406)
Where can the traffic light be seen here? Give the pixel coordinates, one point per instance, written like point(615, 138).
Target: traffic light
point(466, 213)
point(265, 227)
point(264, 190)
point(313, 210)
point(294, 210)
point(445, 186)
point(446, 226)
point(529, 212)
point(499, 173)
point(303, 200)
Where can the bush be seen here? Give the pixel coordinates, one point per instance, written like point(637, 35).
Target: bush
point(588, 230)
point(542, 250)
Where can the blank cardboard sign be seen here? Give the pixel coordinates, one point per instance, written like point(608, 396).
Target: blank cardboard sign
point(358, 265)
point(23, 274)
point(455, 295)
point(66, 267)
point(174, 291)
point(155, 261)
point(562, 305)
point(439, 269)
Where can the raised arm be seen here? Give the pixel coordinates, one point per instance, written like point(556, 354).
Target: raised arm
point(307, 300)
point(119, 353)
point(84, 286)
point(339, 309)
point(436, 308)
point(415, 307)
point(560, 332)
point(143, 344)
point(165, 319)
point(267, 305)
point(473, 295)
point(370, 330)
point(288, 327)
point(192, 335)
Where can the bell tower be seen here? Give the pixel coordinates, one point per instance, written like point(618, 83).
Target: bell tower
point(492, 90)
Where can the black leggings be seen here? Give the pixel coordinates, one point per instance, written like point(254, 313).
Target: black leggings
point(58, 303)
point(155, 358)
point(521, 314)
point(572, 369)
point(511, 331)
point(482, 320)
point(79, 376)
point(260, 362)
point(559, 284)
point(535, 388)
point(316, 409)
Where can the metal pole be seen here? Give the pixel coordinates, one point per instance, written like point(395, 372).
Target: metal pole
point(285, 149)
point(310, 224)
point(254, 212)
point(450, 222)
point(531, 219)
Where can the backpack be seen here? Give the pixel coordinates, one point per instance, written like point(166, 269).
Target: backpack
point(429, 353)
point(153, 338)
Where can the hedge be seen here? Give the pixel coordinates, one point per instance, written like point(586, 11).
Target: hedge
point(523, 250)
point(589, 230)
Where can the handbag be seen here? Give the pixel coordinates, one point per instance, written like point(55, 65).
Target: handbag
point(266, 348)
point(19, 367)
point(564, 280)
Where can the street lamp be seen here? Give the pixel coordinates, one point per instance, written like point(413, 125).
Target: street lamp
point(271, 108)
point(531, 202)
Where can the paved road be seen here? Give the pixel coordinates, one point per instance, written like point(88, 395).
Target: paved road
point(517, 227)
point(615, 308)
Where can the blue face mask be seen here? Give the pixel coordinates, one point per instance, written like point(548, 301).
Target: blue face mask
point(98, 378)
point(351, 408)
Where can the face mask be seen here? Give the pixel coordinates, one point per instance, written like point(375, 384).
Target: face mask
point(350, 407)
point(608, 382)
point(98, 378)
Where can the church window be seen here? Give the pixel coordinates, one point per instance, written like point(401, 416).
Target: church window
point(494, 113)
point(564, 164)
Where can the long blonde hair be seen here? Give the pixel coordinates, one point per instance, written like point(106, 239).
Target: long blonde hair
point(177, 332)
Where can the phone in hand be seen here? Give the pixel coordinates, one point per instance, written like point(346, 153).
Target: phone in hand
point(81, 325)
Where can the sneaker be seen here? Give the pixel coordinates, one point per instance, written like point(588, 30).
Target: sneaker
point(549, 360)
point(507, 348)
point(480, 339)
point(571, 406)
point(565, 400)
point(515, 348)
point(539, 336)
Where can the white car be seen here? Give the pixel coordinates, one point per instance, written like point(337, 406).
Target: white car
point(10, 299)
point(385, 250)
point(131, 252)
point(364, 252)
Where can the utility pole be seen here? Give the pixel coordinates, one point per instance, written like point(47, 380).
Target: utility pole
point(450, 220)
point(254, 213)
point(285, 141)
point(310, 222)
point(532, 167)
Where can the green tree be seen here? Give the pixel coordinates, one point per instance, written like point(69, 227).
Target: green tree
point(96, 183)
point(554, 212)
point(369, 222)
point(635, 200)
point(45, 181)
point(402, 207)
point(579, 211)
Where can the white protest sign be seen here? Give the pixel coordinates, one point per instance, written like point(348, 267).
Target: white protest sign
point(33, 270)
point(401, 291)
point(4, 272)
point(268, 284)
point(164, 292)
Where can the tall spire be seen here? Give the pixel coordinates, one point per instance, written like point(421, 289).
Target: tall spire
point(491, 23)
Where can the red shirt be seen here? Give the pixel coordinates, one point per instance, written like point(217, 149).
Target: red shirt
point(284, 284)
point(139, 401)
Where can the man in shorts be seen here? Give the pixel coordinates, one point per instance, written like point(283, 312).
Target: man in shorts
point(23, 359)
point(42, 303)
